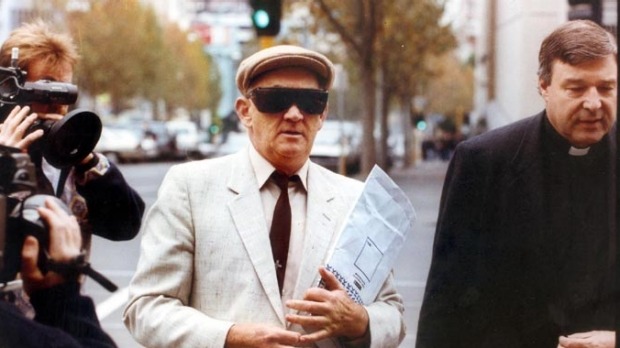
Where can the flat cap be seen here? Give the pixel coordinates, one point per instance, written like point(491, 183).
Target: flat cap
point(284, 56)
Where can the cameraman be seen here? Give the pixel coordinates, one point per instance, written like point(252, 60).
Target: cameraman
point(94, 189)
point(63, 317)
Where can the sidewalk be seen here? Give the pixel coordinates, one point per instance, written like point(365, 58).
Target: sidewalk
point(422, 183)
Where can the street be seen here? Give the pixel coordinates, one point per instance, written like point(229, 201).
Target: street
point(117, 260)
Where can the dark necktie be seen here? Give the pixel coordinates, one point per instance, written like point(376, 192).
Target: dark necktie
point(281, 227)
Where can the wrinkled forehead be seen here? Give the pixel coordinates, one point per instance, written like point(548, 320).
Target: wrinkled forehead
point(603, 69)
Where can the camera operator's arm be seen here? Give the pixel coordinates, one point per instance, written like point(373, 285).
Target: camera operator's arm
point(56, 300)
point(114, 208)
point(13, 129)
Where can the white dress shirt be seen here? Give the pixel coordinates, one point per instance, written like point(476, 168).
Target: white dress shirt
point(269, 193)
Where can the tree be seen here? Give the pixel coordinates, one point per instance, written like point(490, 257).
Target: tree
point(413, 40)
point(128, 54)
point(390, 43)
point(190, 79)
point(451, 92)
point(359, 25)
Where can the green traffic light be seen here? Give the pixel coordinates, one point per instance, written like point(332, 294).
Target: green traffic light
point(261, 19)
point(266, 16)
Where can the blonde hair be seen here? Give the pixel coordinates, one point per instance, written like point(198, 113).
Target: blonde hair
point(37, 42)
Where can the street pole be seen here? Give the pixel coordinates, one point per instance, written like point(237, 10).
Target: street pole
point(266, 41)
point(344, 146)
point(340, 85)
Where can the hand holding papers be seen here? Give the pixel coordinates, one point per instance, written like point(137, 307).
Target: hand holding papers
point(367, 246)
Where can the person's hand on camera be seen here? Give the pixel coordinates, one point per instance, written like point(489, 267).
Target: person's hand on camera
point(13, 130)
point(50, 116)
point(65, 245)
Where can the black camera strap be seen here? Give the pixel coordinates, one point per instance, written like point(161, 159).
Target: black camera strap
point(77, 266)
point(64, 174)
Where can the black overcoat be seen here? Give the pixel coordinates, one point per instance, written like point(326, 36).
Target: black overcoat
point(493, 271)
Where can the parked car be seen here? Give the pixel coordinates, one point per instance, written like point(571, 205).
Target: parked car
point(207, 147)
point(338, 141)
point(122, 144)
point(187, 138)
point(164, 140)
point(235, 141)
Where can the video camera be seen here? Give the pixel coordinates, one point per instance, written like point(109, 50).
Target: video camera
point(65, 142)
point(19, 218)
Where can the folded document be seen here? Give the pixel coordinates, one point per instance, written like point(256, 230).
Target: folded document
point(372, 237)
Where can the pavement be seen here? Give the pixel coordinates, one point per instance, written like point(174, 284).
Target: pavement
point(422, 183)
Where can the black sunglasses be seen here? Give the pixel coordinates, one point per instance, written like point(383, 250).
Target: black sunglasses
point(277, 99)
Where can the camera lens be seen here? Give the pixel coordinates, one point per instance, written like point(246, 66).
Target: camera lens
point(68, 141)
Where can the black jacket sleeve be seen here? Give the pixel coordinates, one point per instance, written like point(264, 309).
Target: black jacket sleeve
point(63, 318)
point(452, 314)
point(490, 275)
point(114, 209)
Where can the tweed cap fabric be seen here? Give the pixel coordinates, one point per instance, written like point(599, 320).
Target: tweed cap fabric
point(283, 56)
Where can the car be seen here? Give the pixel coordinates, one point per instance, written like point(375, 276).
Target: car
point(337, 146)
point(121, 144)
point(164, 140)
point(234, 142)
point(207, 147)
point(187, 137)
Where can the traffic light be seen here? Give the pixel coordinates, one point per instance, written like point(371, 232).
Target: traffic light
point(266, 15)
point(585, 9)
point(419, 121)
point(214, 129)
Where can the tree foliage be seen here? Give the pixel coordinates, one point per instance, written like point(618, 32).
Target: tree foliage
point(127, 53)
point(391, 44)
point(109, 37)
point(414, 39)
point(359, 23)
point(451, 93)
point(190, 79)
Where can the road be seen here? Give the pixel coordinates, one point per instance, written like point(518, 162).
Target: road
point(117, 260)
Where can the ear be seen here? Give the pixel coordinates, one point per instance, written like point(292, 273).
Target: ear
point(543, 89)
point(242, 107)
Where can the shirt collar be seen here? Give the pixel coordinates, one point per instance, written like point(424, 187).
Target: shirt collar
point(559, 144)
point(263, 169)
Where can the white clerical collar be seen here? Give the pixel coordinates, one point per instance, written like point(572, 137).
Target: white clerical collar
point(573, 151)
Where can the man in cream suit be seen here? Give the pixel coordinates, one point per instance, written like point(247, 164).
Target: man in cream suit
point(207, 276)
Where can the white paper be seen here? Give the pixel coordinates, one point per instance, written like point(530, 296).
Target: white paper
point(371, 239)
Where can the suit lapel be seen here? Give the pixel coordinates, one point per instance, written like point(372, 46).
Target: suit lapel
point(248, 216)
point(324, 211)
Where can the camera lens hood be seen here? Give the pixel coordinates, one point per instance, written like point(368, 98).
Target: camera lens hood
point(70, 139)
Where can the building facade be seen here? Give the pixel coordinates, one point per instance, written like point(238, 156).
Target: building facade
point(507, 44)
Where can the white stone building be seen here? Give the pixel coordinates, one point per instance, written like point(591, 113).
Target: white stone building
point(507, 42)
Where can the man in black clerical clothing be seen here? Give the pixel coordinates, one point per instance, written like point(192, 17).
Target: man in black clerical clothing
point(524, 252)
